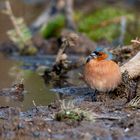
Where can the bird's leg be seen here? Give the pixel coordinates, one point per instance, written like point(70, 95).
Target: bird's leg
point(92, 94)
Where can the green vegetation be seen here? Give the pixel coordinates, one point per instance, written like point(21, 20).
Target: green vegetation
point(104, 23)
point(54, 27)
point(71, 113)
point(20, 34)
point(67, 115)
point(22, 37)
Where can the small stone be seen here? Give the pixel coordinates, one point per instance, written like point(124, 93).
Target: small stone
point(36, 133)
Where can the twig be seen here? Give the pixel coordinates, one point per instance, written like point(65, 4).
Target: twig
point(34, 103)
point(9, 12)
point(135, 41)
point(64, 45)
point(69, 40)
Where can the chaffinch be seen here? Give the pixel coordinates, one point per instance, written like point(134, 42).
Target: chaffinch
point(101, 73)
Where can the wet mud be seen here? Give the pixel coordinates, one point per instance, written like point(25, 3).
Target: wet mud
point(108, 122)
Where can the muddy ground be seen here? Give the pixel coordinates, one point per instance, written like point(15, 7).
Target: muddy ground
point(110, 117)
point(109, 121)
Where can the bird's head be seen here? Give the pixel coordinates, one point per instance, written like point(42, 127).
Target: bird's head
point(99, 55)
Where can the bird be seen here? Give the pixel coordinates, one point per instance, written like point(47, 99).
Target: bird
point(100, 72)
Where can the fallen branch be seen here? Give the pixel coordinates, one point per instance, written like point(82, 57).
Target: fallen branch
point(62, 64)
point(132, 66)
point(68, 40)
point(135, 41)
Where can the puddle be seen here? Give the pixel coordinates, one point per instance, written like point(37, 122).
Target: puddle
point(34, 85)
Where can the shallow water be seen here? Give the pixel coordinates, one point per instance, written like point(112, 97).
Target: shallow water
point(10, 72)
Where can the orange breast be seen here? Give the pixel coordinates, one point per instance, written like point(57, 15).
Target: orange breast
point(102, 75)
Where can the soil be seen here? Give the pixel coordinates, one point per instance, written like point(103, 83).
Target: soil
point(110, 121)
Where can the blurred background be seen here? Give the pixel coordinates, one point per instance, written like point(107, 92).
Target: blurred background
point(104, 20)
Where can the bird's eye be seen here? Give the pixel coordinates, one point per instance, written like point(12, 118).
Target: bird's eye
point(99, 53)
point(96, 53)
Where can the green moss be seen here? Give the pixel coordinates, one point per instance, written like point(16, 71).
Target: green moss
point(69, 115)
point(53, 27)
point(104, 23)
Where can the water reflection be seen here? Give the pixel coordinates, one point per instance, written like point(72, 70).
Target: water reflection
point(34, 85)
point(37, 91)
point(5, 66)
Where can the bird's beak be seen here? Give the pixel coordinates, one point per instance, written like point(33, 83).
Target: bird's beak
point(91, 56)
point(88, 58)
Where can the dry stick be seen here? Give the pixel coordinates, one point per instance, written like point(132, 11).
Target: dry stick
point(61, 51)
point(67, 41)
point(9, 12)
point(132, 66)
point(135, 41)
